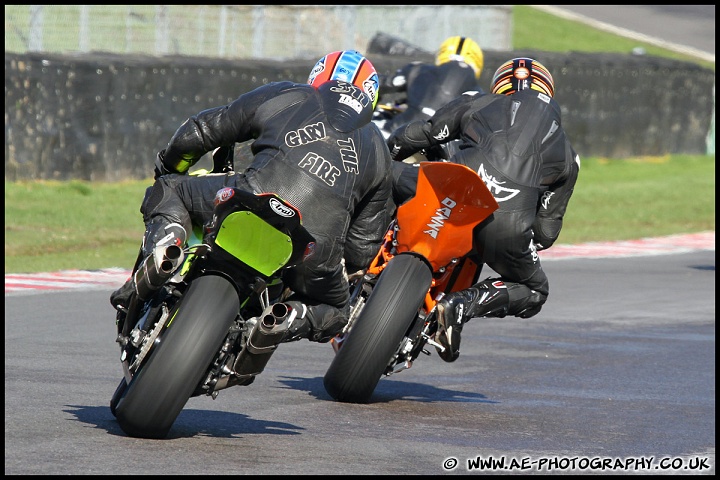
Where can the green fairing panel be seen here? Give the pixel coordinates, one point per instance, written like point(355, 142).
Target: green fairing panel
point(254, 242)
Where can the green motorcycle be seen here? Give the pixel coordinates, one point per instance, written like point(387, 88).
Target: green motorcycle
point(207, 317)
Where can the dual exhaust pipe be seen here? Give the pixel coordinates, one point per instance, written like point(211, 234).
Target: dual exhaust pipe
point(157, 268)
point(266, 334)
point(269, 331)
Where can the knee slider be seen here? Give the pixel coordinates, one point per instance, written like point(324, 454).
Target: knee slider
point(161, 233)
point(161, 199)
point(530, 312)
point(524, 302)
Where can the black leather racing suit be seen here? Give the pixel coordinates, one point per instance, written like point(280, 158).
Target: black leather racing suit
point(317, 149)
point(424, 88)
point(517, 145)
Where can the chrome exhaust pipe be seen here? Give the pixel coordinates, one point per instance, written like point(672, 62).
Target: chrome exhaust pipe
point(157, 268)
point(264, 338)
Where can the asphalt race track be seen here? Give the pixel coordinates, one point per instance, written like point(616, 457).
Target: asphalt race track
point(615, 375)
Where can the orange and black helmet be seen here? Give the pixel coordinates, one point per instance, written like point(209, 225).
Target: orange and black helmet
point(521, 74)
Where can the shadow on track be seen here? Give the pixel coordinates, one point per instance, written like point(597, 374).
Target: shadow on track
point(190, 423)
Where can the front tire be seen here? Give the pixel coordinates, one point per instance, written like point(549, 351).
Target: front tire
point(119, 391)
point(377, 332)
point(158, 392)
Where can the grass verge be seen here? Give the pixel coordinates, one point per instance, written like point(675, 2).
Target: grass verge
point(75, 225)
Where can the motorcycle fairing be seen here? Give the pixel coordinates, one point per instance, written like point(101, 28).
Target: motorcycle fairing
point(254, 242)
point(262, 231)
point(450, 199)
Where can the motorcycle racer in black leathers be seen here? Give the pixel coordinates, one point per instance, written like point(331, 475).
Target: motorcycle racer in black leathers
point(422, 88)
point(513, 138)
point(316, 147)
point(417, 90)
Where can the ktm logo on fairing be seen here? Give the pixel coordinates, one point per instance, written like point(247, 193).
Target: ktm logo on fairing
point(438, 220)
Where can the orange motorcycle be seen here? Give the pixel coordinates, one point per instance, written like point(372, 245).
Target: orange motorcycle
point(424, 256)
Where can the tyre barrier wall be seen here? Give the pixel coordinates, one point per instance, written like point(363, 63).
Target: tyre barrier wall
point(103, 117)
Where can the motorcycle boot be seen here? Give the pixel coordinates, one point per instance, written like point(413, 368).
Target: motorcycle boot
point(300, 327)
point(156, 235)
point(318, 323)
point(485, 299)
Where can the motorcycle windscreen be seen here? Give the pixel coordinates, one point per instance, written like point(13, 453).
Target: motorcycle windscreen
point(437, 222)
point(254, 242)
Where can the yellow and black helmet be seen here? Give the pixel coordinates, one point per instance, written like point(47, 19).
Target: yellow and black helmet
point(520, 74)
point(461, 49)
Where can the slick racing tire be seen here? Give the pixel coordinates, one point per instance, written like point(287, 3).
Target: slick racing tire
point(158, 392)
point(377, 332)
point(117, 396)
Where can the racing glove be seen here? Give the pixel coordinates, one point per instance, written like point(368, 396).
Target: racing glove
point(160, 168)
point(408, 139)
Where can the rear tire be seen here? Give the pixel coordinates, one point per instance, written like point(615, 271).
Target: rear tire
point(158, 392)
point(377, 332)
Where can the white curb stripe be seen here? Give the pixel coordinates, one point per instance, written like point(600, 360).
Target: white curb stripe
point(112, 278)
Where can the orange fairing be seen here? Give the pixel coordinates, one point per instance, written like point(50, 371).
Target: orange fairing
point(437, 222)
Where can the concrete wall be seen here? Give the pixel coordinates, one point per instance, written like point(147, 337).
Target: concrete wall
point(103, 117)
